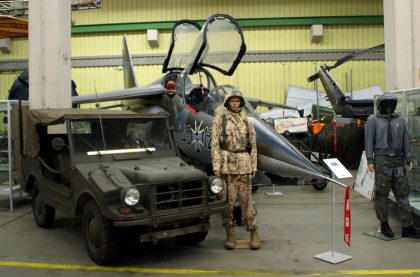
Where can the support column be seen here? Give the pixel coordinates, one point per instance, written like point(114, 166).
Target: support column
point(49, 54)
point(402, 44)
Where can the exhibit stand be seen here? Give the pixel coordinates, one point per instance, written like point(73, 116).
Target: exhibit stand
point(274, 192)
point(339, 171)
point(377, 234)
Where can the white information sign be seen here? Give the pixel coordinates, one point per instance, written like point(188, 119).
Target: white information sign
point(337, 168)
point(365, 180)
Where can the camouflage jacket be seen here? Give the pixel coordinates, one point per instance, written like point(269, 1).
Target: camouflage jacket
point(234, 160)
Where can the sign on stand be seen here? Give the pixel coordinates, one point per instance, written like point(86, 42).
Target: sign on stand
point(332, 256)
point(337, 168)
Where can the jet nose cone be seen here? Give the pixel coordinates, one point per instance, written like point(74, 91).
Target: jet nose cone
point(273, 146)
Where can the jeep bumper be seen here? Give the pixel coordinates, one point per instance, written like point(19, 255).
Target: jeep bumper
point(155, 236)
point(177, 217)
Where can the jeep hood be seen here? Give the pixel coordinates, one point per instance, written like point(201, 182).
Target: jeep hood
point(113, 175)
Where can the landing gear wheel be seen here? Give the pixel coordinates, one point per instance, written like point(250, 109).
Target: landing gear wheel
point(101, 238)
point(191, 239)
point(319, 184)
point(44, 215)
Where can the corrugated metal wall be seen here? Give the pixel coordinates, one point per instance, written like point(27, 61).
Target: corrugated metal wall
point(19, 50)
point(298, 38)
point(270, 80)
point(265, 80)
point(6, 80)
point(117, 11)
point(276, 38)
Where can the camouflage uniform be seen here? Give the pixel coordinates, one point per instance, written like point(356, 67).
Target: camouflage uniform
point(231, 158)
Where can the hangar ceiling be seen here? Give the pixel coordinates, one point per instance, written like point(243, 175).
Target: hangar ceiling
point(11, 27)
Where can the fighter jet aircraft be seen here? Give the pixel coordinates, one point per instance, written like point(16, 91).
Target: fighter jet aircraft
point(344, 105)
point(189, 93)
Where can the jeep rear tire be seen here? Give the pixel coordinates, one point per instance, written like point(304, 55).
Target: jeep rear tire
point(191, 239)
point(101, 238)
point(44, 215)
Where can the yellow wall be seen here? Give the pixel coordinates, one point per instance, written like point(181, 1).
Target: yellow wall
point(6, 81)
point(265, 80)
point(117, 11)
point(270, 80)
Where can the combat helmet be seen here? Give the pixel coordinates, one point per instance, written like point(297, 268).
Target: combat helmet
point(234, 93)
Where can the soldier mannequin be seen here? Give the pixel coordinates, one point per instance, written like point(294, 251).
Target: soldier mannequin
point(388, 152)
point(234, 158)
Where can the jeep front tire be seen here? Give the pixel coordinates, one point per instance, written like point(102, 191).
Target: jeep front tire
point(101, 238)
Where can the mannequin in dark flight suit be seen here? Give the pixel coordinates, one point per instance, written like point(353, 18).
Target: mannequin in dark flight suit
point(388, 154)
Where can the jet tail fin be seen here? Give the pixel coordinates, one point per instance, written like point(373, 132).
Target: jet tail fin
point(128, 68)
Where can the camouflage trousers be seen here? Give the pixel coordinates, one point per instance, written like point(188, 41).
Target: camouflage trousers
point(239, 186)
point(390, 173)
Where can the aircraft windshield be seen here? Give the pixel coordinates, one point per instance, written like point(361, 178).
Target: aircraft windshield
point(216, 98)
point(183, 38)
point(121, 136)
point(220, 45)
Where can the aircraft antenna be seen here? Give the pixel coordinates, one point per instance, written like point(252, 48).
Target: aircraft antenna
point(99, 115)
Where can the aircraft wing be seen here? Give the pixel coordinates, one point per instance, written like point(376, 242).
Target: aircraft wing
point(145, 92)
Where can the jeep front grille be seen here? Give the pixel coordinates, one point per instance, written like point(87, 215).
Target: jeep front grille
point(180, 195)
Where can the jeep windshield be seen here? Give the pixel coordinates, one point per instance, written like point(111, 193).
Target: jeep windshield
point(119, 136)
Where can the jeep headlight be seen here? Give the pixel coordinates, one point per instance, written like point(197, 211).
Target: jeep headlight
point(130, 196)
point(216, 184)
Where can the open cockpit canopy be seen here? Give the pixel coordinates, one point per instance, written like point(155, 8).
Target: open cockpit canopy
point(218, 45)
point(184, 34)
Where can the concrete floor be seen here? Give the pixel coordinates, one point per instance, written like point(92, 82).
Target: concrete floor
point(294, 227)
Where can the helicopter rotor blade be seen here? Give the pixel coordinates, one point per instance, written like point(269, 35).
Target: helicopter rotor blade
point(313, 77)
point(353, 55)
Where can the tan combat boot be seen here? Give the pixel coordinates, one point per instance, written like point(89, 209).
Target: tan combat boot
point(230, 238)
point(255, 239)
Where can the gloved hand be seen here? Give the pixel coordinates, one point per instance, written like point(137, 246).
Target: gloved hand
point(253, 174)
point(371, 167)
point(410, 166)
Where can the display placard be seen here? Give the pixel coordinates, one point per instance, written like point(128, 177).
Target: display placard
point(337, 168)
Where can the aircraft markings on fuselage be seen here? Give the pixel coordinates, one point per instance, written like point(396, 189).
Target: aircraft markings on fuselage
point(197, 136)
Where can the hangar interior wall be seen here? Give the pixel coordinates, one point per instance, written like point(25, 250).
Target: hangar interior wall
point(266, 80)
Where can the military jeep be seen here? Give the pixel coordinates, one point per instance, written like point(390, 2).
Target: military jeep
point(116, 171)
